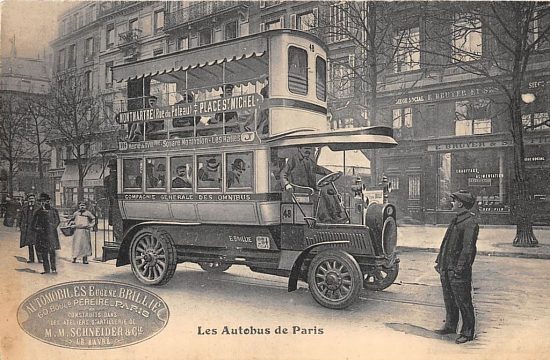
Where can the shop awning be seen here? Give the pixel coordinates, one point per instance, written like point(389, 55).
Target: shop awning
point(94, 177)
point(344, 139)
point(243, 58)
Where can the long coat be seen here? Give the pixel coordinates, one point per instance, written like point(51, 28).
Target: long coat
point(458, 249)
point(82, 242)
point(45, 223)
point(28, 236)
point(300, 170)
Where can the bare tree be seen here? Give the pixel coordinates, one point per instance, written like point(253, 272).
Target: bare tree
point(367, 27)
point(498, 42)
point(37, 133)
point(74, 119)
point(13, 125)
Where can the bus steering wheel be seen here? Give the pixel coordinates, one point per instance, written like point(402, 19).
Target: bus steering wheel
point(330, 178)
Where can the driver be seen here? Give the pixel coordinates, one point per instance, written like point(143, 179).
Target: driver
point(300, 169)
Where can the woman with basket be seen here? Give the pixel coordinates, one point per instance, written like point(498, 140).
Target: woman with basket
point(82, 221)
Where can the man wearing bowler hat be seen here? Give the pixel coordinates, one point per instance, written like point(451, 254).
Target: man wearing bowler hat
point(454, 265)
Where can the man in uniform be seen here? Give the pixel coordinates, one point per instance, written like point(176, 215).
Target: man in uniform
point(454, 265)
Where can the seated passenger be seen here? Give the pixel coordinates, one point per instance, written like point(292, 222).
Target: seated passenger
point(230, 116)
point(234, 175)
point(181, 181)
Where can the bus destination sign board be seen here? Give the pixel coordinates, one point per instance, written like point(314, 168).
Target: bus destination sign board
point(199, 108)
point(188, 143)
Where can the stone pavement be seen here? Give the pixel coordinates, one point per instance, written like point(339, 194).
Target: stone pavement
point(493, 240)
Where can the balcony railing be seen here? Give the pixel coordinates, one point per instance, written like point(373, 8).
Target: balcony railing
point(129, 37)
point(197, 10)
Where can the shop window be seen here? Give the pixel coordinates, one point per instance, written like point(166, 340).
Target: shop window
point(536, 121)
point(472, 117)
point(132, 174)
point(407, 44)
point(230, 30)
point(321, 78)
point(181, 168)
point(239, 171)
point(482, 173)
point(209, 176)
point(297, 70)
point(467, 36)
point(155, 174)
point(205, 37)
point(414, 187)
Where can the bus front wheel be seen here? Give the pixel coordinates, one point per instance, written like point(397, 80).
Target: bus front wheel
point(334, 279)
point(153, 256)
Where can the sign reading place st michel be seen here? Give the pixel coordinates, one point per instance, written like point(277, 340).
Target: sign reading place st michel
point(199, 108)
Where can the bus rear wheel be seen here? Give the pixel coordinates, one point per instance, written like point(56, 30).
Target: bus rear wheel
point(378, 279)
point(334, 279)
point(153, 256)
point(215, 266)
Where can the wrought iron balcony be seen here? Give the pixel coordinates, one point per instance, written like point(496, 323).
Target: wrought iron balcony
point(199, 10)
point(129, 37)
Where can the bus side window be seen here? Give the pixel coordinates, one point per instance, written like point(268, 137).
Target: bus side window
point(239, 171)
point(209, 174)
point(155, 173)
point(181, 168)
point(276, 164)
point(132, 170)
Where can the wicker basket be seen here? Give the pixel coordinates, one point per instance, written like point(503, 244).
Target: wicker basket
point(67, 230)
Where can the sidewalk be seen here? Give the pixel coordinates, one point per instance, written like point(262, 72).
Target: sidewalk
point(492, 241)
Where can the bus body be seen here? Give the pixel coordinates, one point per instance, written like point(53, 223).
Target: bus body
point(199, 172)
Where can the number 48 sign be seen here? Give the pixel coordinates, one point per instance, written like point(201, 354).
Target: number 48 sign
point(287, 214)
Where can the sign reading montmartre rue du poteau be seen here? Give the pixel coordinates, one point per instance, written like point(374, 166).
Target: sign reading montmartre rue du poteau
point(198, 108)
point(93, 315)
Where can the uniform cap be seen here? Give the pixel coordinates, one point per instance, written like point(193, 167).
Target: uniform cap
point(464, 196)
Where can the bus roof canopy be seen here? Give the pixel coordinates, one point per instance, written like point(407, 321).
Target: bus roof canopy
point(346, 139)
point(202, 66)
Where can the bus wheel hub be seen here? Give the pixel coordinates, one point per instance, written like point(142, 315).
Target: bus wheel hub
point(333, 281)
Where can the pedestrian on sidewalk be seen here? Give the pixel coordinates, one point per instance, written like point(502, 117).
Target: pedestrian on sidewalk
point(83, 221)
point(28, 235)
point(454, 265)
point(45, 223)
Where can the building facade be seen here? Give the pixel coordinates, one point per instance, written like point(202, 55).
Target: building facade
point(23, 80)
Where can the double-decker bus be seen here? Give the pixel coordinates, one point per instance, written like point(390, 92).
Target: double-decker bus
point(209, 132)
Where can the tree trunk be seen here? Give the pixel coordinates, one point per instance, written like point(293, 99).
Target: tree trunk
point(10, 178)
point(522, 211)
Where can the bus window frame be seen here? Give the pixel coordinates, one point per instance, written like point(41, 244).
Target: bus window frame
point(288, 70)
point(133, 189)
point(215, 190)
point(193, 176)
point(150, 189)
point(251, 188)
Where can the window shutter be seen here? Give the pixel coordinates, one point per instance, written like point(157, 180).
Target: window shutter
point(262, 27)
point(315, 17)
point(351, 60)
point(293, 21)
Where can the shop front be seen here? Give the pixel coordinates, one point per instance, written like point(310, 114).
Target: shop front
point(67, 191)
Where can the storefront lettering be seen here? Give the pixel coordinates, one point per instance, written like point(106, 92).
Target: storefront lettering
point(466, 171)
point(446, 95)
point(469, 145)
point(535, 158)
